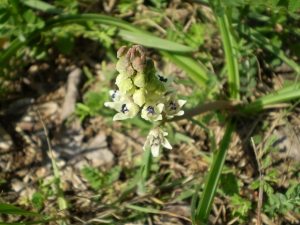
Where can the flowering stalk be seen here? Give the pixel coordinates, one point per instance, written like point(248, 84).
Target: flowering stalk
point(142, 90)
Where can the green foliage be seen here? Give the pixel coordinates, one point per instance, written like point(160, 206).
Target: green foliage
point(270, 177)
point(229, 184)
point(38, 200)
point(46, 191)
point(194, 37)
point(279, 203)
point(241, 207)
point(18, 22)
point(98, 179)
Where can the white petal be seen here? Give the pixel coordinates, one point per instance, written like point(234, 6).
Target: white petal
point(166, 144)
point(160, 107)
point(180, 113)
point(145, 113)
point(120, 116)
point(165, 133)
point(158, 118)
point(181, 102)
point(133, 109)
point(109, 104)
point(155, 150)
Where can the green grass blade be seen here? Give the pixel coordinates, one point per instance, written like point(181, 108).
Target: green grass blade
point(82, 19)
point(60, 195)
point(273, 98)
point(267, 44)
point(42, 6)
point(10, 209)
point(142, 209)
point(188, 64)
point(230, 50)
point(159, 43)
point(34, 222)
point(210, 188)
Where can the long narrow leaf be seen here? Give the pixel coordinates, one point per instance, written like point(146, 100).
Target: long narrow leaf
point(188, 64)
point(210, 188)
point(10, 209)
point(230, 50)
point(159, 43)
point(42, 6)
point(34, 222)
point(271, 99)
point(82, 19)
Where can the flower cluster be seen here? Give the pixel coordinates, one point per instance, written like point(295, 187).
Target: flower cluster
point(143, 90)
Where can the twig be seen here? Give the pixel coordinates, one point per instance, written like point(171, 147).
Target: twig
point(216, 105)
point(260, 194)
point(61, 200)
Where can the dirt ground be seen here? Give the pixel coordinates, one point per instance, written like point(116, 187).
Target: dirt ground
point(54, 85)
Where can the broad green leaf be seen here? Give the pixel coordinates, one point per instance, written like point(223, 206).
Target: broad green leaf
point(255, 184)
point(272, 173)
point(294, 5)
point(10, 209)
point(29, 16)
point(274, 2)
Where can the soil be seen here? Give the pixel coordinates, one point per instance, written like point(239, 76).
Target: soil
point(47, 91)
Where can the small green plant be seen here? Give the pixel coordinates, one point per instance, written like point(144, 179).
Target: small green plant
point(39, 197)
point(241, 207)
point(98, 179)
point(279, 203)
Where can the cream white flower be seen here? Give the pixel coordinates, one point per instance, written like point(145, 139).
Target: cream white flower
point(155, 139)
point(173, 106)
point(152, 112)
point(118, 96)
point(126, 109)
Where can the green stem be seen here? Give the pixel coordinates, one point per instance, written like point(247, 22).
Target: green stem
point(230, 50)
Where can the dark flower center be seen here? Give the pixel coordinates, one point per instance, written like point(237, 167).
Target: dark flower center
point(156, 141)
point(150, 109)
point(173, 105)
point(161, 78)
point(124, 109)
point(114, 94)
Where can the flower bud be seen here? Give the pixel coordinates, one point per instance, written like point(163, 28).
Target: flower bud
point(122, 51)
point(152, 81)
point(124, 67)
point(124, 85)
point(139, 97)
point(140, 80)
